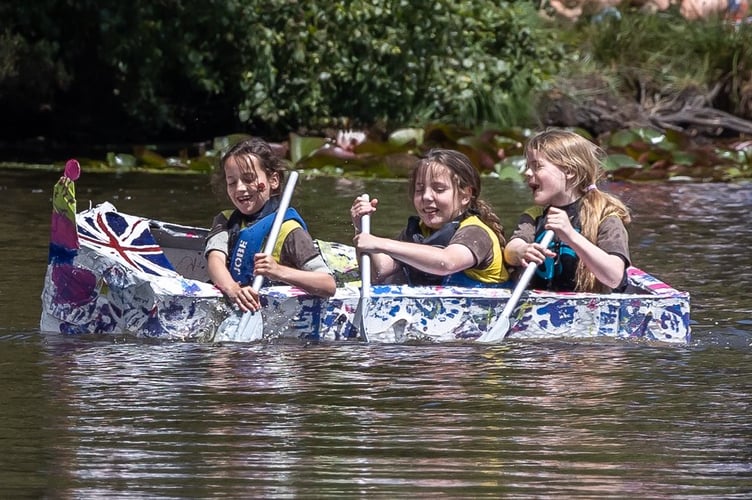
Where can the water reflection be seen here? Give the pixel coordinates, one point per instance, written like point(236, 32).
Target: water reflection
point(288, 420)
point(113, 416)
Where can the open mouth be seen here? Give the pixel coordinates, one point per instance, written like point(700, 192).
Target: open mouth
point(429, 212)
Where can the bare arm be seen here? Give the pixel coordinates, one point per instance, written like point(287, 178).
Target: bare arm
point(434, 260)
point(243, 296)
point(518, 252)
point(607, 268)
point(316, 283)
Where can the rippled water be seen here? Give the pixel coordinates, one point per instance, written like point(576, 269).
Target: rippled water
point(120, 417)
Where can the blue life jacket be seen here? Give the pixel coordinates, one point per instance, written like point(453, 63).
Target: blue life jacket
point(556, 273)
point(250, 241)
point(554, 266)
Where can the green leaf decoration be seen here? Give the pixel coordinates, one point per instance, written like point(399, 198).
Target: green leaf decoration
point(650, 135)
point(150, 158)
point(684, 158)
point(226, 142)
point(407, 136)
point(508, 172)
point(623, 138)
point(511, 168)
point(121, 160)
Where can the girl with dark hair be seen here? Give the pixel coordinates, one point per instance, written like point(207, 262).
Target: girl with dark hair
point(252, 175)
point(455, 239)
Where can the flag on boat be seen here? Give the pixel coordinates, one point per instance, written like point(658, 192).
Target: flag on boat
point(125, 238)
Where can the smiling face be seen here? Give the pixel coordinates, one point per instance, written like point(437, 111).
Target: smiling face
point(550, 184)
point(436, 197)
point(248, 185)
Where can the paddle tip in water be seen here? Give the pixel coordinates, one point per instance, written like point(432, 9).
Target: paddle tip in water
point(497, 332)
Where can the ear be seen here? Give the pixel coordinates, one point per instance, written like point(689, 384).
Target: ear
point(466, 195)
point(274, 181)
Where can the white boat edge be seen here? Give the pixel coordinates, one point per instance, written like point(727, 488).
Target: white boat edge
point(182, 305)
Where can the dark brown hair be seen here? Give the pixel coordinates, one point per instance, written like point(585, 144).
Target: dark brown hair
point(244, 153)
point(464, 175)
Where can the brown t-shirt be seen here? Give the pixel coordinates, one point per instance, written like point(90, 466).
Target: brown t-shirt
point(612, 235)
point(612, 238)
point(475, 238)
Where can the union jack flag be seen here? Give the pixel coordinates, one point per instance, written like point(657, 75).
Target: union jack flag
point(125, 238)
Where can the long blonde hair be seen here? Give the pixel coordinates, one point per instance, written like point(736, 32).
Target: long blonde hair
point(582, 159)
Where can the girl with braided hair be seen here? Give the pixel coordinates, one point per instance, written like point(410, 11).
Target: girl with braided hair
point(455, 239)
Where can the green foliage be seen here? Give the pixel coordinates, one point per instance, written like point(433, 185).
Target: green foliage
point(29, 73)
point(281, 65)
point(343, 63)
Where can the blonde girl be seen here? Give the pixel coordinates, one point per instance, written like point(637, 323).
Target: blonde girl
point(590, 252)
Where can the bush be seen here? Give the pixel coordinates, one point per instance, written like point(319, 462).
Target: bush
point(658, 56)
point(339, 62)
point(195, 66)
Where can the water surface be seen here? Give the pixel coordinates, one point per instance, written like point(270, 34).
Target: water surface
point(97, 416)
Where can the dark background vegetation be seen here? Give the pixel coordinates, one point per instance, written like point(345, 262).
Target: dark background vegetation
point(77, 75)
point(175, 70)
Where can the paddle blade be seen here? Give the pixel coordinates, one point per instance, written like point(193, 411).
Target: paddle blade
point(251, 327)
point(501, 328)
point(497, 332)
point(246, 328)
point(358, 322)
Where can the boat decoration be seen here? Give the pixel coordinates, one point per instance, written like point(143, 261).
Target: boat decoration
point(113, 273)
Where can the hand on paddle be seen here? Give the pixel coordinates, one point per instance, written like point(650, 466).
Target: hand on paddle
point(244, 297)
point(530, 252)
point(265, 265)
point(558, 221)
point(361, 207)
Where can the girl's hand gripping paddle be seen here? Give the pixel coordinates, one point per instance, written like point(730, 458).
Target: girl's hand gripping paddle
point(365, 278)
point(251, 326)
point(500, 329)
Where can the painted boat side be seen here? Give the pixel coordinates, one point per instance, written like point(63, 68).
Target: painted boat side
point(106, 286)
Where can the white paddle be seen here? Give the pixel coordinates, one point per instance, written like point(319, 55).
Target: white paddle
point(365, 278)
point(500, 329)
point(251, 326)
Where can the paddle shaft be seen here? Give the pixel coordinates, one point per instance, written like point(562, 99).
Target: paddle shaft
point(279, 218)
point(525, 279)
point(251, 326)
point(500, 329)
point(365, 259)
point(365, 275)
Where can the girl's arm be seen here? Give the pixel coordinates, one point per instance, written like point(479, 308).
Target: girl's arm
point(607, 268)
point(316, 283)
point(519, 252)
point(244, 297)
point(383, 266)
point(433, 260)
